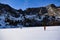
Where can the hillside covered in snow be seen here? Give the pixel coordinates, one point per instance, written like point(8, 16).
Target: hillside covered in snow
point(31, 17)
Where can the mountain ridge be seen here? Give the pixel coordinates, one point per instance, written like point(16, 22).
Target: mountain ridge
point(39, 16)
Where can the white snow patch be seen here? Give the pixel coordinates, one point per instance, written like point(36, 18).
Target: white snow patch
point(31, 33)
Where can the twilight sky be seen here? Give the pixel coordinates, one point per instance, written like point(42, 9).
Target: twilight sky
point(23, 4)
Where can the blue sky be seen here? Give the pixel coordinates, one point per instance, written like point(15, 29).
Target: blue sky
point(23, 4)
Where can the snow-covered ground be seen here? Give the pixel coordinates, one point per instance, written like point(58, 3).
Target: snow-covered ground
point(31, 33)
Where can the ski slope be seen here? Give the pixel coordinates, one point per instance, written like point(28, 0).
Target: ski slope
point(31, 33)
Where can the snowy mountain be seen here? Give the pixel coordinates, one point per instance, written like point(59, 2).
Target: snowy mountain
point(31, 17)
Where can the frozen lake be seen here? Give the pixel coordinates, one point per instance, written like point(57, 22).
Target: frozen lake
point(31, 33)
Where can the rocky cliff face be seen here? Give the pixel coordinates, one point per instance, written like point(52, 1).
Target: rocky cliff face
point(12, 18)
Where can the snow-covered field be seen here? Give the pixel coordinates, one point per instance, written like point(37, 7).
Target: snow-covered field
point(31, 33)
